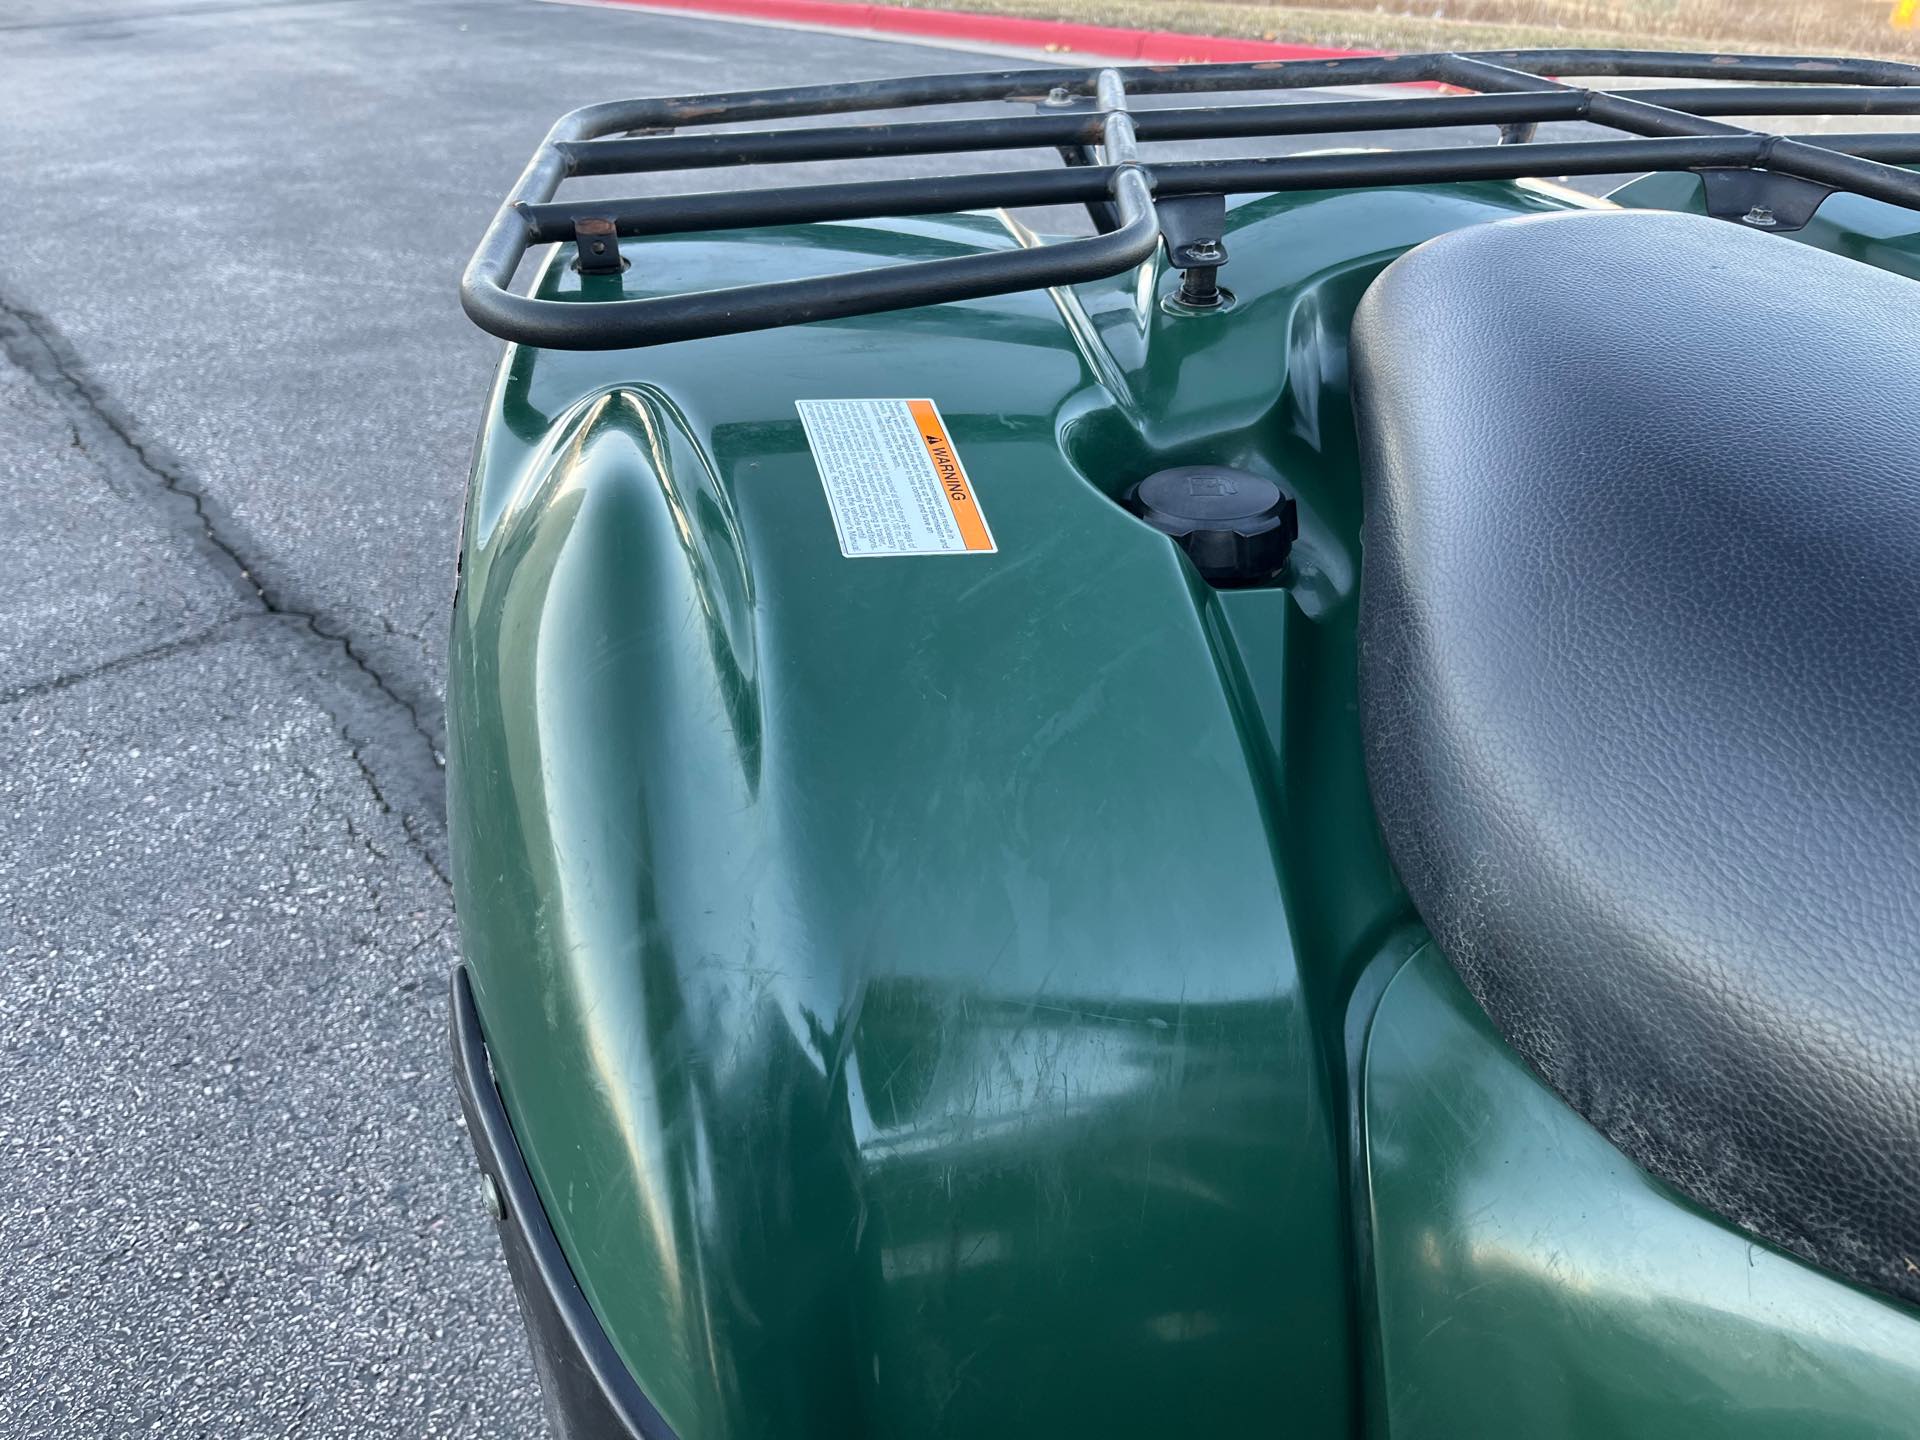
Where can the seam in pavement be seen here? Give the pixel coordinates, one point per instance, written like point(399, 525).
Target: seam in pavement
point(33, 344)
point(162, 651)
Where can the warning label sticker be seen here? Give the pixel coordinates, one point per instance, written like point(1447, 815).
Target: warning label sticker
point(893, 479)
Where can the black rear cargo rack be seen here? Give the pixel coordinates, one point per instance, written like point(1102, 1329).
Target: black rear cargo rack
point(1759, 178)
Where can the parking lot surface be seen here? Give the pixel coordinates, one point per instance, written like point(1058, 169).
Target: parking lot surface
point(236, 401)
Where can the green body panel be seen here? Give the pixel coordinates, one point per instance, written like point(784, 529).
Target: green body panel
point(1531, 1281)
point(929, 991)
point(1871, 231)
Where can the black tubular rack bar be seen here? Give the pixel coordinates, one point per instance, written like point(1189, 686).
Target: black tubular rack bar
point(1083, 115)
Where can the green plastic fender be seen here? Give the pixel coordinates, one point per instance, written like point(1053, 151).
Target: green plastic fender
point(929, 992)
point(1529, 1280)
point(1870, 231)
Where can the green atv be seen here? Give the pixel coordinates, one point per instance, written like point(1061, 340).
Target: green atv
point(1352, 864)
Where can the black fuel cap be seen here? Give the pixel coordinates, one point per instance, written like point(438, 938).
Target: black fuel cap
point(1237, 527)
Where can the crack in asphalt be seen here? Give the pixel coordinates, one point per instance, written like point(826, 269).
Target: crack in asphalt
point(69, 678)
point(355, 752)
point(33, 344)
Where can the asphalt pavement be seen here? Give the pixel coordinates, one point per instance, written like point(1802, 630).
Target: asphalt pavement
point(236, 401)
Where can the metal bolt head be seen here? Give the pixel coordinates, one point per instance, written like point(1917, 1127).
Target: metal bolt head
point(1205, 252)
point(1059, 95)
point(1760, 215)
point(491, 1197)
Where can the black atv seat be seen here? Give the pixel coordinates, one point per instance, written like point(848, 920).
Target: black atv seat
point(1640, 681)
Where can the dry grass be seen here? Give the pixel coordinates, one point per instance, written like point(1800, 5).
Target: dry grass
point(1821, 27)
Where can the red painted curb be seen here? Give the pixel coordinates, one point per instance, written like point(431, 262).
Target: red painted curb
point(1154, 47)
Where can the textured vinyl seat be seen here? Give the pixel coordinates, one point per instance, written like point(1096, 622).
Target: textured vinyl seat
point(1640, 682)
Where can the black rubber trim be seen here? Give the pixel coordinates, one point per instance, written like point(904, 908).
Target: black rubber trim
point(589, 1392)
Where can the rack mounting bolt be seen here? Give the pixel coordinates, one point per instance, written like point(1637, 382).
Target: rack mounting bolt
point(1059, 96)
point(1760, 215)
point(599, 246)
